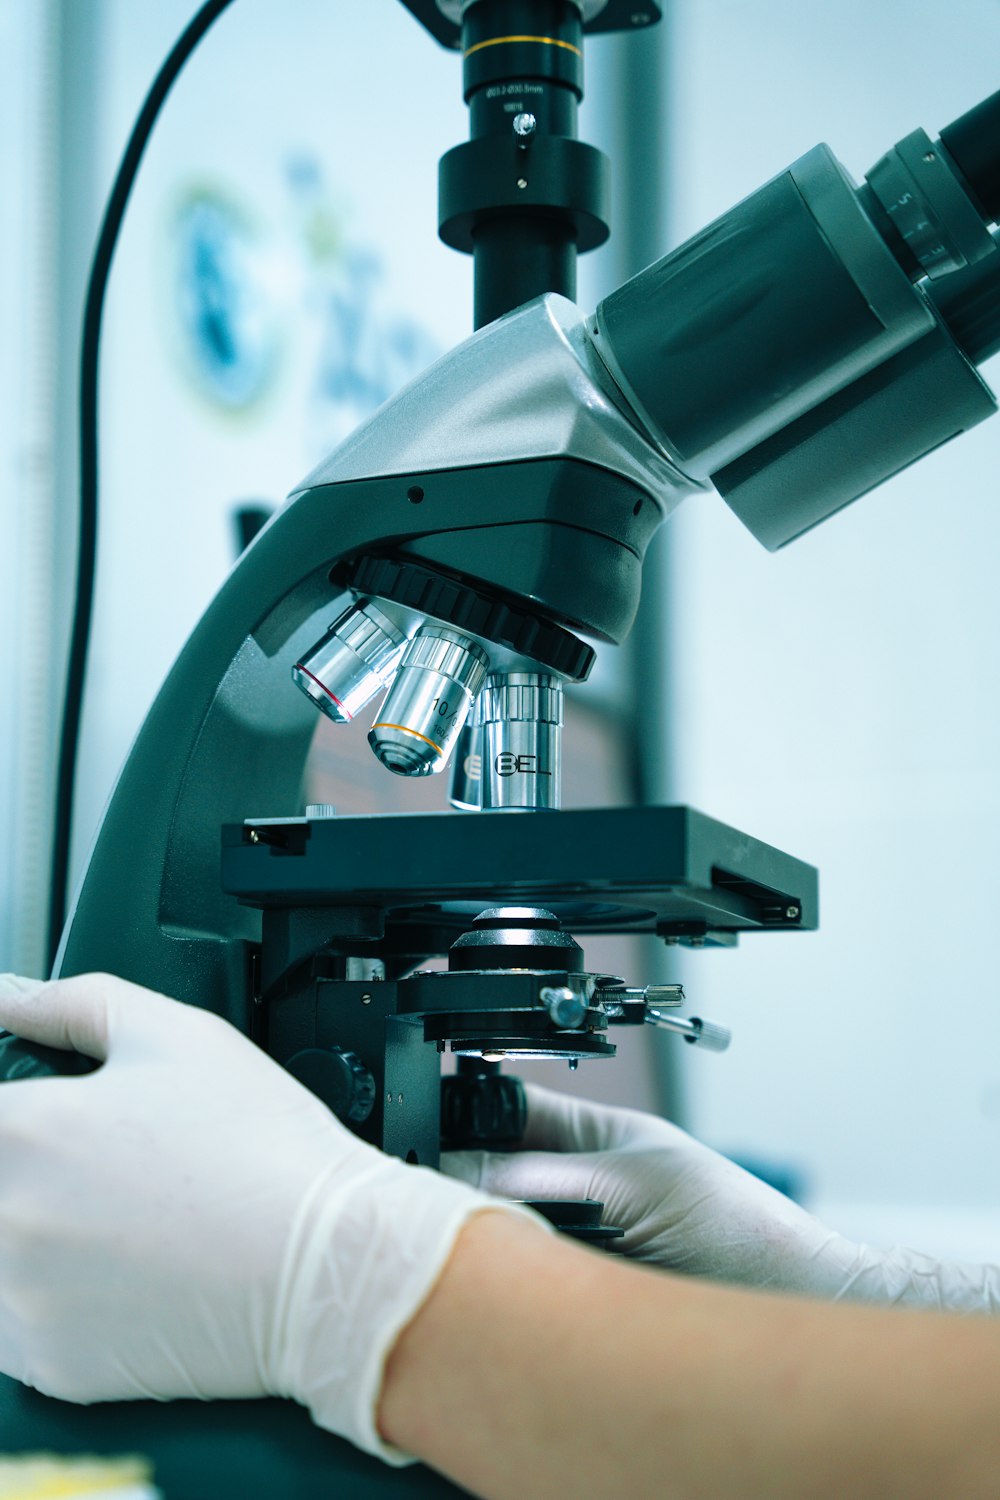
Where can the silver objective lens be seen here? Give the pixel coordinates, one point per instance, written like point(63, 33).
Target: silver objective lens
point(424, 710)
point(467, 767)
point(351, 663)
point(520, 714)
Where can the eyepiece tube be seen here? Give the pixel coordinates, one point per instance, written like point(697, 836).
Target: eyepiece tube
point(973, 142)
point(969, 302)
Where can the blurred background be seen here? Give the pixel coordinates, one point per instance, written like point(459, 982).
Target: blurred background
point(279, 275)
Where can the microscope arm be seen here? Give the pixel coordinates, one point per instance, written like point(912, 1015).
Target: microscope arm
point(511, 462)
point(796, 353)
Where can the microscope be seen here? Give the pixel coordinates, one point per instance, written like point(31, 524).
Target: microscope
point(460, 555)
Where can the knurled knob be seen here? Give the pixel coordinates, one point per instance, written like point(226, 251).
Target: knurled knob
point(339, 1078)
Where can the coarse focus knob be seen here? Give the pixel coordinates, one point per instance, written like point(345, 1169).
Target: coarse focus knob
point(440, 673)
point(339, 1078)
point(484, 1109)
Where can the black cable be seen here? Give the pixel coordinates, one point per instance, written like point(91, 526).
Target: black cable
point(87, 541)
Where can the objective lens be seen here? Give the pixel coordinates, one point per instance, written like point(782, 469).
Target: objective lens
point(521, 718)
point(351, 663)
point(439, 676)
point(467, 767)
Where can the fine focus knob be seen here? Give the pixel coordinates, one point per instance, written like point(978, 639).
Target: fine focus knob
point(339, 1078)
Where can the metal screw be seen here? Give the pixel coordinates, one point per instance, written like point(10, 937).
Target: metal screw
point(930, 156)
point(522, 182)
point(366, 999)
point(388, 1098)
point(399, 1098)
point(574, 1063)
point(663, 994)
point(524, 125)
point(565, 1007)
point(791, 912)
point(254, 836)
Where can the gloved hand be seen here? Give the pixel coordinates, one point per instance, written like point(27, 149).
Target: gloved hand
point(190, 1221)
point(686, 1208)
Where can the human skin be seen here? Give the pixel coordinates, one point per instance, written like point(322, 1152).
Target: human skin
point(578, 1374)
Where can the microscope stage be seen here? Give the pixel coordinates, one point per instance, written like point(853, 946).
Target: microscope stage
point(665, 870)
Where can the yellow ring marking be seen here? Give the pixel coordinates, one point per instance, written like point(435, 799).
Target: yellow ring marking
point(544, 41)
point(416, 734)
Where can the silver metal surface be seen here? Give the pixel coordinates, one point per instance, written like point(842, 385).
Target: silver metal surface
point(351, 663)
point(707, 1034)
point(615, 1001)
point(520, 718)
point(664, 994)
point(467, 766)
point(570, 407)
point(524, 125)
point(320, 810)
point(566, 1008)
point(440, 673)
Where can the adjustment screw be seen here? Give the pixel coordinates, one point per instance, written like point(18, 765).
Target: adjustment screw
point(664, 994)
point(522, 182)
point(565, 1007)
point(791, 912)
point(524, 126)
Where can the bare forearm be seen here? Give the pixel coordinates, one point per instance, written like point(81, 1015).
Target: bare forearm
point(540, 1368)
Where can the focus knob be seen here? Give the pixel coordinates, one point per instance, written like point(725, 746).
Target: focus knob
point(482, 1109)
point(339, 1078)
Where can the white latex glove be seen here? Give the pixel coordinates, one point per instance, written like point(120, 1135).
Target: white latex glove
point(190, 1221)
point(686, 1208)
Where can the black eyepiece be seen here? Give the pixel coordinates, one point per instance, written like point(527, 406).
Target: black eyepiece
point(973, 142)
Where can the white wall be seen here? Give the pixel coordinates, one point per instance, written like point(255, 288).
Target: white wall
point(839, 699)
point(317, 129)
point(27, 193)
